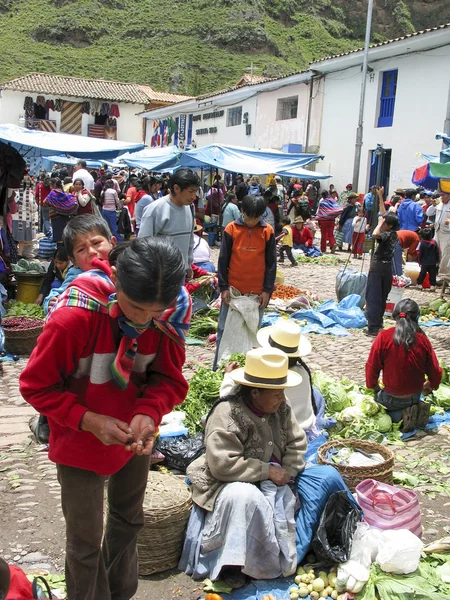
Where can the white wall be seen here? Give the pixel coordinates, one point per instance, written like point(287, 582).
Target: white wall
point(271, 133)
point(129, 125)
point(420, 111)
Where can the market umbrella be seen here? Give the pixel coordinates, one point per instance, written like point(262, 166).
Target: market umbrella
point(430, 174)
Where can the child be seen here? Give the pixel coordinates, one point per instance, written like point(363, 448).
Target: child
point(405, 356)
point(247, 260)
point(379, 281)
point(429, 258)
point(286, 242)
point(56, 273)
point(106, 368)
point(85, 237)
point(359, 224)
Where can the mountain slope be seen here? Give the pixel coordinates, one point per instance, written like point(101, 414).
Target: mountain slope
point(193, 46)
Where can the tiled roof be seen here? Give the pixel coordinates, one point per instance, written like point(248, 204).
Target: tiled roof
point(93, 89)
point(247, 79)
point(385, 43)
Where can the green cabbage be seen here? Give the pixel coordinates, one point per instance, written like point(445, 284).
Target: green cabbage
point(441, 397)
point(350, 414)
point(383, 422)
point(336, 398)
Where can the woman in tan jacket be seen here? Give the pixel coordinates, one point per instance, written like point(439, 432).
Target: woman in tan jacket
point(244, 486)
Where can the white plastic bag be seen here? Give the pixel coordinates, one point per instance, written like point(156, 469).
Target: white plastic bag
point(399, 551)
point(241, 325)
point(353, 574)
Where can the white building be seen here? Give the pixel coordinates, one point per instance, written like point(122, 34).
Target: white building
point(95, 108)
point(407, 102)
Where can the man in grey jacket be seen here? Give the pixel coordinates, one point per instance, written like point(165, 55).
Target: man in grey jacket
point(172, 215)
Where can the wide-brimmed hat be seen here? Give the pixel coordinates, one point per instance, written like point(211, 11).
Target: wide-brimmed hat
point(197, 228)
point(400, 191)
point(266, 368)
point(298, 220)
point(286, 336)
point(277, 178)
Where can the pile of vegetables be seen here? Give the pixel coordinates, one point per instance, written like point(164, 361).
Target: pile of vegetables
point(308, 585)
point(204, 323)
point(436, 309)
point(355, 410)
point(32, 267)
point(325, 259)
point(440, 398)
point(203, 392)
point(286, 292)
point(23, 309)
point(21, 323)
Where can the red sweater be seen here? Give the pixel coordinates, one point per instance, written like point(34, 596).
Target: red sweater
point(403, 372)
point(303, 237)
point(69, 373)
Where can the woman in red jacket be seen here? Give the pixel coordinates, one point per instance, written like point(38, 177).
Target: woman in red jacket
point(406, 356)
point(105, 370)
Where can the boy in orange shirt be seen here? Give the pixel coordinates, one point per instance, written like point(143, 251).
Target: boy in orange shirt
point(247, 259)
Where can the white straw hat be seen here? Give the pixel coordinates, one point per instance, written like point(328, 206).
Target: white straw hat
point(267, 369)
point(286, 336)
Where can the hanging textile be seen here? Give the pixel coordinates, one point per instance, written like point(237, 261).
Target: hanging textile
point(95, 107)
point(58, 105)
point(85, 108)
point(28, 107)
point(104, 109)
point(114, 112)
point(40, 101)
point(50, 105)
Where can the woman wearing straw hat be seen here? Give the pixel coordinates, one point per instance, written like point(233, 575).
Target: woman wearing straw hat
point(243, 521)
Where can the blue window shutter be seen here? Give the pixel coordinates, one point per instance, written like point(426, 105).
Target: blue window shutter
point(189, 132)
point(387, 99)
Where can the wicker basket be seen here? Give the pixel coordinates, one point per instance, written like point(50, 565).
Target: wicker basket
point(354, 475)
point(167, 504)
point(21, 341)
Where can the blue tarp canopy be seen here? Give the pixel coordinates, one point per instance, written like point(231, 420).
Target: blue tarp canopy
point(49, 161)
point(32, 144)
point(237, 159)
point(149, 158)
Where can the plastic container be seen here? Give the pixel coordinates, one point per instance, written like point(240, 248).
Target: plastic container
point(211, 238)
point(395, 295)
point(412, 270)
point(28, 287)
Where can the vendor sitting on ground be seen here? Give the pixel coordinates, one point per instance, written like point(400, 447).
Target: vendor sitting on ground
point(301, 235)
point(202, 251)
point(406, 356)
point(254, 449)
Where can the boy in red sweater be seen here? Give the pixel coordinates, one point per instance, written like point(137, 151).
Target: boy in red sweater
point(105, 370)
point(247, 259)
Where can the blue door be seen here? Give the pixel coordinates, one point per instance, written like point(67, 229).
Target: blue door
point(387, 100)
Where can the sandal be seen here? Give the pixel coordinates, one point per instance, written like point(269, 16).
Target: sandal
point(409, 418)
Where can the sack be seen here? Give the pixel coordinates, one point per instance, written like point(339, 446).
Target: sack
point(388, 507)
point(180, 451)
point(254, 189)
point(339, 237)
point(333, 540)
point(241, 325)
point(399, 552)
point(351, 282)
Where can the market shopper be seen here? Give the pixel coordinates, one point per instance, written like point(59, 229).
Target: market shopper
point(171, 216)
point(410, 213)
point(106, 368)
point(327, 211)
point(379, 281)
point(346, 221)
point(409, 364)
point(62, 206)
point(110, 205)
point(442, 222)
point(359, 233)
point(429, 258)
point(83, 196)
point(286, 244)
point(247, 260)
point(82, 173)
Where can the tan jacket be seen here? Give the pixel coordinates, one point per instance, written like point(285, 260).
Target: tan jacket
point(239, 446)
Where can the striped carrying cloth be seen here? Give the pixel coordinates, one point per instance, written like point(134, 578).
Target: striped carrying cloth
point(94, 291)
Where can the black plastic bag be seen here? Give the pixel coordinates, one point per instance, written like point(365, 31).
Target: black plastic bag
point(333, 540)
point(181, 450)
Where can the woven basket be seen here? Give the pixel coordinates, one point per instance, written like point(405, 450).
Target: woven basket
point(21, 341)
point(167, 504)
point(354, 475)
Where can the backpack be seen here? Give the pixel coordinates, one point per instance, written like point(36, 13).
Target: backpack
point(124, 222)
point(254, 189)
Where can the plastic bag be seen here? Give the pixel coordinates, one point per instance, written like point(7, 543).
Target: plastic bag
point(333, 540)
point(241, 325)
point(399, 551)
point(351, 282)
point(181, 451)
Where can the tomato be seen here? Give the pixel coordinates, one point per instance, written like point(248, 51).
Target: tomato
point(213, 597)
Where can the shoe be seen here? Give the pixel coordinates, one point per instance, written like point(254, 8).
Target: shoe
point(294, 264)
point(280, 262)
point(371, 333)
point(409, 418)
point(423, 414)
point(333, 249)
point(233, 576)
point(433, 288)
point(439, 283)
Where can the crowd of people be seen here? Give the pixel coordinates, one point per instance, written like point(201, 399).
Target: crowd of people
point(108, 365)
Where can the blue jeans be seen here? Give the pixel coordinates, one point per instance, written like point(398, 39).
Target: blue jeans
point(379, 284)
point(221, 326)
point(111, 218)
point(394, 406)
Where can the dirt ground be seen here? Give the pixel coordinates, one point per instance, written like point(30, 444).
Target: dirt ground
point(31, 521)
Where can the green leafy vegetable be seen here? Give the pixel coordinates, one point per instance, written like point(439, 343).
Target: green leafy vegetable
point(204, 388)
point(23, 309)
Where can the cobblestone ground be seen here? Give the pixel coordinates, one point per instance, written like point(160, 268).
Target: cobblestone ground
point(31, 520)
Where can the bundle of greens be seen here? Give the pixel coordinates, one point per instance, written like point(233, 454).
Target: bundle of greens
point(23, 309)
point(204, 390)
point(204, 322)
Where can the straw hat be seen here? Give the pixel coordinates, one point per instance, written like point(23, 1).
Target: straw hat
point(298, 220)
point(197, 228)
point(266, 369)
point(286, 336)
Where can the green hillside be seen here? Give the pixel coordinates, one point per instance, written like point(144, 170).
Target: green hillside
point(192, 46)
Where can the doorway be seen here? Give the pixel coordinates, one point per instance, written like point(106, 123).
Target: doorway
point(380, 168)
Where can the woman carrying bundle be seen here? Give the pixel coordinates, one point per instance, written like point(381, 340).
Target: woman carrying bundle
point(406, 357)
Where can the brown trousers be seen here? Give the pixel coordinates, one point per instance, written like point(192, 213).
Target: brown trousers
point(108, 571)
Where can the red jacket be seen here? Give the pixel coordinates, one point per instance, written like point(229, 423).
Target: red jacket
point(403, 372)
point(197, 272)
point(69, 373)
point(303, 237)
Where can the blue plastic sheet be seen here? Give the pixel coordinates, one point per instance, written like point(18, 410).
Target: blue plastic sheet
point(434, 422)
point(435, 323)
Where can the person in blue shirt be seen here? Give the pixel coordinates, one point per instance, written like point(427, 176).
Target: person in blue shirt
point(410, 213)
